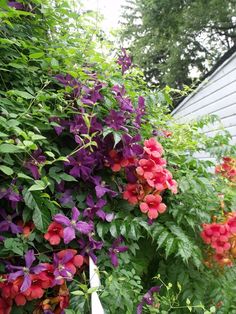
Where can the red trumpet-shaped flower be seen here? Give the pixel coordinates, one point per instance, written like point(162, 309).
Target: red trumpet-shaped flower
point(55, 233)
point(152, 206)
point(133, 193)
point(153, 148)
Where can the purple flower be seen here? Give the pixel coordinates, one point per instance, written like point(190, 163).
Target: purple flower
point(82, 164)
point(95, 209)
point(61, 270)
point(67, 80)
point(92, 95)
point(33, 163)
point(115, 120)
point(125, 103)
point(101, 188)
point(11, 195)
point(115, 249)
point(66, 197)
point(61, 124)
point(73, 225)
point(124, 60)
point(7, 223)
point(140, 112)
point(26, 271)
point(147, 298)
point(16, 5)
point(131, 175)
point(78, 126)
point(89, 246)
point(131, 148)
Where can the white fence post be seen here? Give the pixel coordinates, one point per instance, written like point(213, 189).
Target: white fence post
point(96, 306)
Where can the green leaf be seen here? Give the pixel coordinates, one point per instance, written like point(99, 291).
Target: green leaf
point(36, 55)
point(162, 238)
point(24, 176)
point(41, 218)
point(91, 290)
point(8, 171)
point(38, 186)
point(67, 177)
point(78, 292)
point(9, 149)
point(22, 94)
point(169, 246)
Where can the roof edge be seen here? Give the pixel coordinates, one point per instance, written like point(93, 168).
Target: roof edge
point(226, 58)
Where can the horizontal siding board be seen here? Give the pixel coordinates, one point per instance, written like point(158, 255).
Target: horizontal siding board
point(228, 101)
point(223, 69)
point(212, 87)
point(210, 99)
point(231, 129)
point(215, 96)
point(226, 111)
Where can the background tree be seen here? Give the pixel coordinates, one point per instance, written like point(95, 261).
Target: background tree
point(171, 40)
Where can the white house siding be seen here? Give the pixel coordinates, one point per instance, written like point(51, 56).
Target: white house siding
point(216, 95)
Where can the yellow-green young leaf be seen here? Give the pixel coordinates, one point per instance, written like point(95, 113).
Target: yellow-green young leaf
point(38, 186)
point(36, 55)
point(8, 171)
point(9, 149)
point(91, 290)
point(78, 292)
point(21, 94)
point(24, 176)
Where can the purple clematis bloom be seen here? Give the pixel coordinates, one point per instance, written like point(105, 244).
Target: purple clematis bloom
point(131, 148)
point(95, 209)
point(61, 271)
point(148, 298)
point(131, 175)
point(115, 120)
point(101, 188)
point(61, 124)
point(7, 223)
point(67, 80)
point(115, 249)
point(125, 103)
point(92, 95)
point(140, 112)
point(11, 195)
point(78, 125)
point(16, 5)
point(72, 226)
point(26, 271)
point(66, 197)
point(33, 163)
point(82, 164)
point(124, 60)
point(89, 246)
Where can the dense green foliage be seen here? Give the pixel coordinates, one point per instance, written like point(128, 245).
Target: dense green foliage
point(170, 38)
point(53, 38)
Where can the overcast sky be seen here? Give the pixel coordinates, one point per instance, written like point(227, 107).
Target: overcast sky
point(111, 9)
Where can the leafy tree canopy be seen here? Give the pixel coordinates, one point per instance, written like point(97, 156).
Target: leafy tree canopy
point(171, 40)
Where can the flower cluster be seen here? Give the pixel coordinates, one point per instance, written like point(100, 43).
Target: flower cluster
point(227, 169)
point(28, 282)
point(56, 205)
point(147, 177)
point(222, 239)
